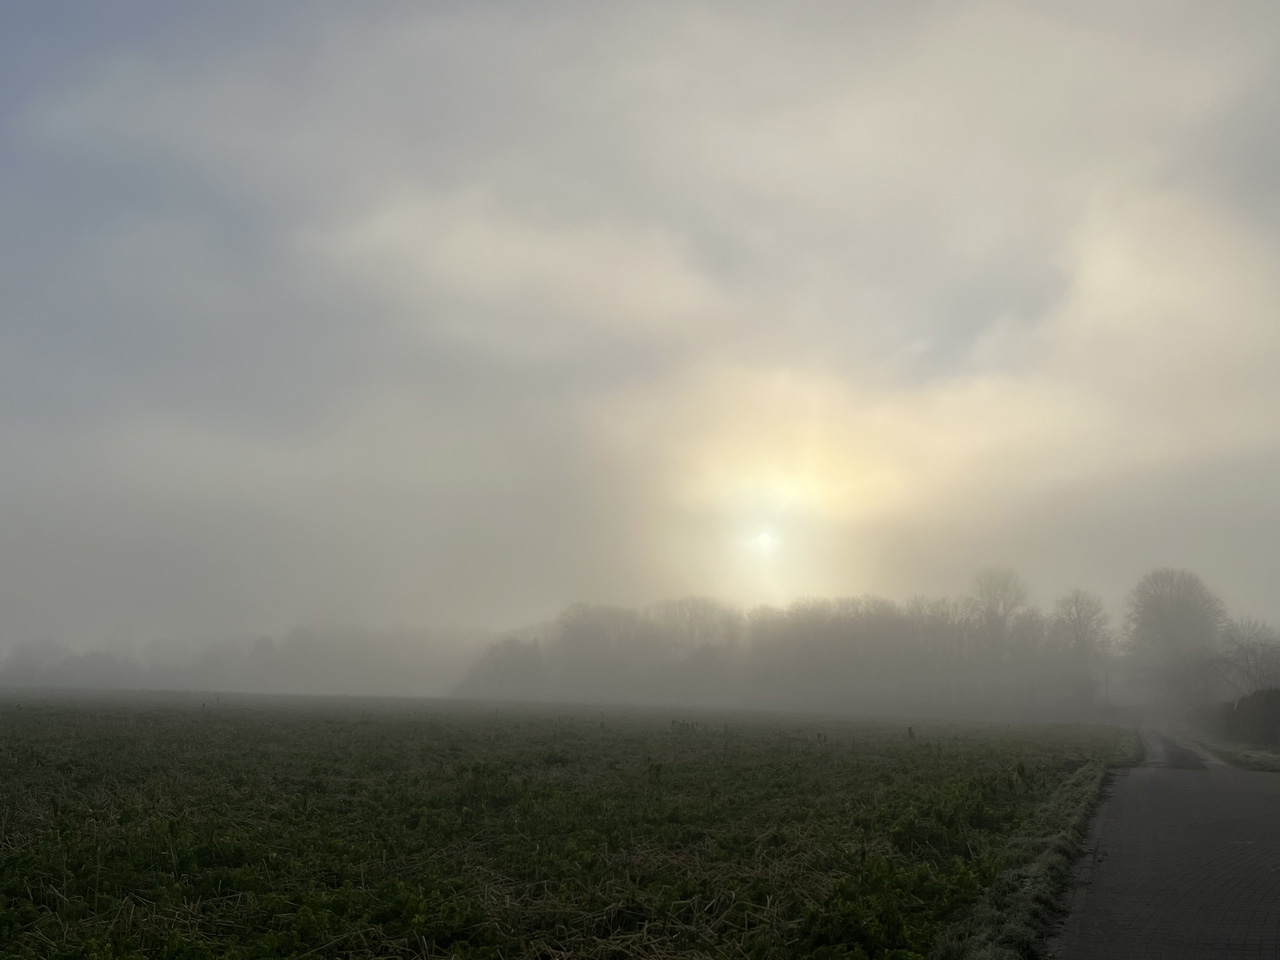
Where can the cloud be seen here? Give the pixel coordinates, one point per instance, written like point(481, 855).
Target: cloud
point(400, 316)
point(466, 267)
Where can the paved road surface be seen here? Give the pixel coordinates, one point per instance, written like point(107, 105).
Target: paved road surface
point(1185, 863)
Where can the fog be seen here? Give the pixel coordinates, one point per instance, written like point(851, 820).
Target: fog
point(989, 654)
point(348, 662)
point(345, 326)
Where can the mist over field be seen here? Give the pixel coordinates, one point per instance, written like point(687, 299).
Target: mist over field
point(988, 655)
point(440, 349)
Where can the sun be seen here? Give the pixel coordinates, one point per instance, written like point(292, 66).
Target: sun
point(765, 540)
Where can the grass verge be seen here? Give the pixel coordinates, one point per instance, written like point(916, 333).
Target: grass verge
point(1012, 919)
point(1241, 755)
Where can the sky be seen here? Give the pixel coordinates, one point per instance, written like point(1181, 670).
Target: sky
point(402, 313)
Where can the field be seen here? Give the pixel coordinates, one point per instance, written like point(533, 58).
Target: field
point(190, 827)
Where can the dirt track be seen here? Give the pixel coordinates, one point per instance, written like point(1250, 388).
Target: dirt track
point(1185, 862)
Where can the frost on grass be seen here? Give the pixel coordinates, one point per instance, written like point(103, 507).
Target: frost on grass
point(334, 831)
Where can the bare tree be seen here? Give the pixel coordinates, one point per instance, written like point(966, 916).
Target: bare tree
point(698, 621)
point(1174, 623)
point(998, 594)
point(1250, 659)
point(1080, 621)
point(1081, 625)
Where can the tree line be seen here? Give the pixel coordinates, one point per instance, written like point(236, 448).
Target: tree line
point(988, 653)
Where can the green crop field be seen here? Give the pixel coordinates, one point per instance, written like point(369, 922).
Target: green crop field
point(185, 827)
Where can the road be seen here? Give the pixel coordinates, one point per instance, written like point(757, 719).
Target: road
point(1184, 862)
